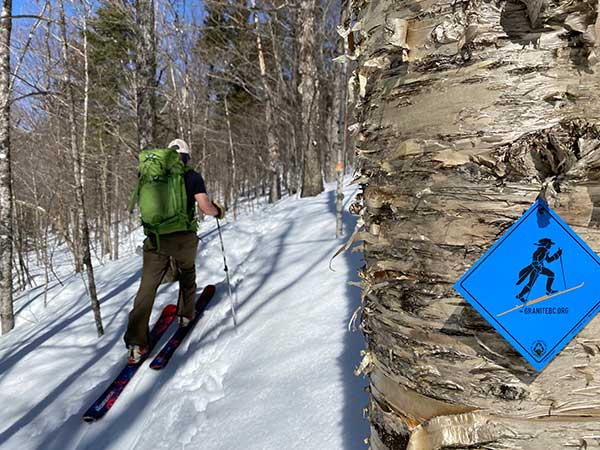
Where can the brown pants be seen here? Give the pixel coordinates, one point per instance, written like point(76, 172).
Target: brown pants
point(182, 248)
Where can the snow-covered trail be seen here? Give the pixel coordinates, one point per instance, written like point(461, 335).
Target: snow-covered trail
point(281, 380)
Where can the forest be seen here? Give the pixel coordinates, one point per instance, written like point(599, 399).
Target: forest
point(256, 89)
point(456, 119)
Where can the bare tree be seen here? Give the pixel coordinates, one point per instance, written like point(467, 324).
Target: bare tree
point(468, 112)
point(272, 144)
point(342, 122)
point(146, 82)
point(312, 179)
point(78, 175)
point(6, 203)
point(232, 154)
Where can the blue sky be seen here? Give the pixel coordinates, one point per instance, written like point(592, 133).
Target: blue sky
point(34, 7)
point(26, 7)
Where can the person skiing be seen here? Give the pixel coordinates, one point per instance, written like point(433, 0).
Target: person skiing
point(159, 248)
point(533, 270)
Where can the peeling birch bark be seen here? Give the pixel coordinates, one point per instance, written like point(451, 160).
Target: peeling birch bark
point(272, 143)
point(309, 90)
point(7, 320)
point(467, 112)
point(146, 82)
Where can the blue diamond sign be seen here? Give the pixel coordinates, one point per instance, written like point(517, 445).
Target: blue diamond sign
point(538, 285)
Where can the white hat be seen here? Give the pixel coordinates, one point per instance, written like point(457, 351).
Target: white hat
point(180, 146)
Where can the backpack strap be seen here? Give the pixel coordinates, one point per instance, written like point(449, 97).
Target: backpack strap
point(157, 242)
point(135, 195)
point(192, 224)
point(149, 232)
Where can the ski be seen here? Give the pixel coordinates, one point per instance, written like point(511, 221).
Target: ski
point(165, 354)
point(103, 404)
point(540, 299)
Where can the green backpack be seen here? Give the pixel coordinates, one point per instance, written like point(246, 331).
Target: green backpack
point(161, 193)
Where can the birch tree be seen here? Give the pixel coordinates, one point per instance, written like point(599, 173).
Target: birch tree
point(468, 111)
point(146, 82)
point(6, 220)
point(78, 174)
point(272, 144)
point(312, 179)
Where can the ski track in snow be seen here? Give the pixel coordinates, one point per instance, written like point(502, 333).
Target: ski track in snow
point(278, 381)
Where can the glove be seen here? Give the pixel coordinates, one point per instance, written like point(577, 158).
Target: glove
point(220, 208)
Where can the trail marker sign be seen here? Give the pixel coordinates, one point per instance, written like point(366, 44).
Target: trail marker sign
point(538, 285)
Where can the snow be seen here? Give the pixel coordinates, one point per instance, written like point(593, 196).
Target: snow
point(282, 380)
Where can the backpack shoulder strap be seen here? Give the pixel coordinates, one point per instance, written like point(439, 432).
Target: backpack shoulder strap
point(135, 195)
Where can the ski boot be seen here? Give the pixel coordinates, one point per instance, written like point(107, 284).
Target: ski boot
point(185, 321)
point(137, 353)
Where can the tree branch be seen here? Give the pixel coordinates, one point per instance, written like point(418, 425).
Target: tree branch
point(31, 94)
point(27, 44)
point(30, 16)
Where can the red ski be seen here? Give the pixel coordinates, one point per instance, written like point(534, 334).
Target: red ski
point(165, 354)
point(101, 406)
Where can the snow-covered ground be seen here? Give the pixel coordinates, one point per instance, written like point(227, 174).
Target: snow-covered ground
point(282, 380)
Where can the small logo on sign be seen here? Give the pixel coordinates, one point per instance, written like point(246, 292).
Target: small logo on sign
point(539, 348)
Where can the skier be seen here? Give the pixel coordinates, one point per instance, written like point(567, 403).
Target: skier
point(159, 247)
point(536, 268)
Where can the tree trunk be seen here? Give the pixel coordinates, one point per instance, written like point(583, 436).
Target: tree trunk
point(116, 218)
point(105, 209)
point(467, 113)
point(37, 218)
point(233, 184)
point(342, 135)
point(46, 260)
point(177, 101)
point(312, 180)
point(146, 82)
point(86, 94)
point(203, 162)
point(7, 319)
point(339, 166)
point(272, 144)
point(21, 247)
point(84, 234)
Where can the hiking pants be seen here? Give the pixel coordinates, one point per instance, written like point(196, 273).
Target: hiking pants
point(182, 248)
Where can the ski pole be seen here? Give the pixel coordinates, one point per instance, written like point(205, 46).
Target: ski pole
point(563, 271)
point(227, 275)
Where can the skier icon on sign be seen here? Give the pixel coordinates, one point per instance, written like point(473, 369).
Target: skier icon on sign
point(538, 285)
point(537, 268)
